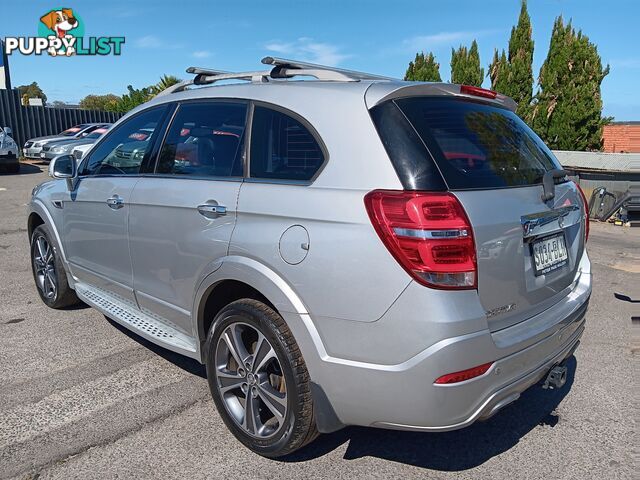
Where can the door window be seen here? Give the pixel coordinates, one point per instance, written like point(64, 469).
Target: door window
point(205, 139)
point(126, 147)
point(282, 147)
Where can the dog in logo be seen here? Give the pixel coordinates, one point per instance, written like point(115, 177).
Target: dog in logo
point(61, 22)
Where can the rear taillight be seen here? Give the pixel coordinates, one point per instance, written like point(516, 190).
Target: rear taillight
point(467, 374)
point(477, 91)
point(586, 213)
point(428, 233)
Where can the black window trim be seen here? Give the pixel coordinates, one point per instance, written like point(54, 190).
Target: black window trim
point(164, 124)
point(146, 162)
point(306, 124)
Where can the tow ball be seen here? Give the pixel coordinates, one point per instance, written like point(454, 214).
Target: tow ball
point(556, 378)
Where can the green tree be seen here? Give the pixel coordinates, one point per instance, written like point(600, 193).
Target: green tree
point(567, 110)
point(100, 102)
point(165, 82)
point(465, 66)
point(130, 100)
point(32, 91)
point(513, 75)
point(424, 69)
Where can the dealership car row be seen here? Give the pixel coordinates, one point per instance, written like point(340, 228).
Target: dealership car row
point(73, 141)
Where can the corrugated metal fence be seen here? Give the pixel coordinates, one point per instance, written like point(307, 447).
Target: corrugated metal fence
point(30, 122)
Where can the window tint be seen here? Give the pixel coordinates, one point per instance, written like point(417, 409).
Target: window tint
point(282, 148)
point(123, 151)
point(477, 145)
point(205, 139)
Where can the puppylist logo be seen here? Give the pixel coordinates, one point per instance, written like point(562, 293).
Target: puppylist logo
point(61, 34)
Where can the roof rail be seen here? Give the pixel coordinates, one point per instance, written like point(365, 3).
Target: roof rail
point(282, 69)
point(283, 63)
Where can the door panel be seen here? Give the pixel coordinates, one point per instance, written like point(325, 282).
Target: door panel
point(96, 215)
point(172, 243)
point(182, 219)
point(95, 233)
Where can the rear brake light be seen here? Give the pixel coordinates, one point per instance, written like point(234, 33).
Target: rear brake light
point(477, 91)
point(429, 234)
point(467, 374)
point(586, 213)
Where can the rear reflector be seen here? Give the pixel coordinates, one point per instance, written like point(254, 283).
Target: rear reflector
point(586, 213)
point(428, 233)
point(468, 374)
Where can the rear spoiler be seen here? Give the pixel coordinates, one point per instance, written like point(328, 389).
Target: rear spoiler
point(380, 92)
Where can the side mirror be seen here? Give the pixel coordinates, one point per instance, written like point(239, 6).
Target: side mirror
point(8, 131)
point(64, 166)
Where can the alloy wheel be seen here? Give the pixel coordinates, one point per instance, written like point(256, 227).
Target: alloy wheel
point(44, 263)
point(250, 380)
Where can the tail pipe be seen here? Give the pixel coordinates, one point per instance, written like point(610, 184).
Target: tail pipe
point(557, 376)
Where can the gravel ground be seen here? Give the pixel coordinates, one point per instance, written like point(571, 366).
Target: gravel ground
point(81, 398)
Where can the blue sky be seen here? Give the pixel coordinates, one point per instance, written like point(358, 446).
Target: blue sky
point(376, 36)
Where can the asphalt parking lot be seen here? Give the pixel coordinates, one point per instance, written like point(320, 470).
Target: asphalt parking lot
point(81, 398)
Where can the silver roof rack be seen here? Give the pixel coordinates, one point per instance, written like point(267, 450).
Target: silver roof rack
point(282, 69)
point(285, 64)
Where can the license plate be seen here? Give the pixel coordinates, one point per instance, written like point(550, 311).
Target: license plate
point(549, 254)
point(42, 155)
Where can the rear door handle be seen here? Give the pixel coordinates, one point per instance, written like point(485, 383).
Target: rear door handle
point(115, 202)
point(210, 210)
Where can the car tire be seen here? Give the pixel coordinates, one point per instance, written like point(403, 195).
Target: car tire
point(291, 406)
point(48, 271)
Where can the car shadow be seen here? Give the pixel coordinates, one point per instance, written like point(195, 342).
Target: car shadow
point(450, 451)
point(27, 168)
point(185, 363)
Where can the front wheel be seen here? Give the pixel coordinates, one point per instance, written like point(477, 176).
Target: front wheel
point(259, 380)
point(48, 271)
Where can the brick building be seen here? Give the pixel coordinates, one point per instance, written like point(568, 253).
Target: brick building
point(622, 137)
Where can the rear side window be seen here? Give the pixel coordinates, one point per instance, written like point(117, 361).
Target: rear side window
point(476, 145)
point(205, 139)
point(282, 148)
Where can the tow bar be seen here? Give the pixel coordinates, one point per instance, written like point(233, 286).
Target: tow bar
point(556, 378)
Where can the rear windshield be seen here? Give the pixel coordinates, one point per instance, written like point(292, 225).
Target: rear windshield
point(474, 145)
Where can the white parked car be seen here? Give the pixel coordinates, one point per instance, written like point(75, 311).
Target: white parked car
point(8, 152)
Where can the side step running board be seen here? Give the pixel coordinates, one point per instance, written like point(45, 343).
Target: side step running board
point(147, 326)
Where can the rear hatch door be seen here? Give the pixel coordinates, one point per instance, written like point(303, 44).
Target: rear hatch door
point(528, 249)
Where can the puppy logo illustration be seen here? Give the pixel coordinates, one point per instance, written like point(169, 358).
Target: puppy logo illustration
point(61, 34)
point(61, 22)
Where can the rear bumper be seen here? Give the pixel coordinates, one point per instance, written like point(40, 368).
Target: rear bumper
point(6, 159)
point(404, 396)
point(508, 394)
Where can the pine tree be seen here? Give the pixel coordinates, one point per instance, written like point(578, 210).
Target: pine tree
point(424, 69)
point(499, 72)
point(465, 66)
point(513, 75)
point(567, 111)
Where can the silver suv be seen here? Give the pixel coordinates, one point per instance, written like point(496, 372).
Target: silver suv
point(349, 250)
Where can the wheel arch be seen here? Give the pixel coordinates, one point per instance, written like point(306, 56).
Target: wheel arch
point(34, 221)
point(249, 278)
point(241, 277)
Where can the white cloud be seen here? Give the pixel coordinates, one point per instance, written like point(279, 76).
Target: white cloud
point(307, 49)
point(149, 41)
point(449, 39)
point(201, 54)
